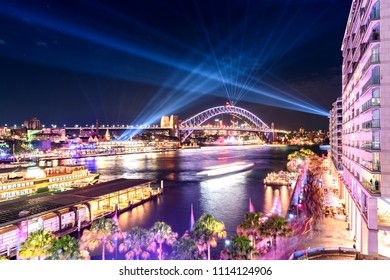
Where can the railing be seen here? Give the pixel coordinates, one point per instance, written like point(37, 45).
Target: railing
point(371, 146)
point(371, 124)
point(373, 102)
point(372, 187)
point(374, 58)
point(322, 253)
point(370, 166)
point(374, 80)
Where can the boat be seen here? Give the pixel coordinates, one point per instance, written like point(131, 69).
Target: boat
point(20, 181)
point(226, 169)
point(324, 147)
point(281, 178)
point(191, 146)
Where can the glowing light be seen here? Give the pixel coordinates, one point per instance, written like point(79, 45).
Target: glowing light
point(225, 169)
point(187, 80)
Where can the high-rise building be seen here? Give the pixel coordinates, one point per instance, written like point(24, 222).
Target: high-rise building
point(165, 122)
point(32, 124)
point(174, 124)
point(335, 134)
point(366, 124)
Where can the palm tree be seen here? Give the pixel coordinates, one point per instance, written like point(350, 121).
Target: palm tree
point(207, 230)
point(275, 226)
point(250, 226)
point(37, 245)
point(65, 248)
point(241, 248)
point(102, 232)
point(134, 243)
point(294, 155)
point(161, 233)
point(306, 152)
point(186, 249)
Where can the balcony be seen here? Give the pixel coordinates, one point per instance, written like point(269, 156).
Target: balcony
point(374, 59)
point(374, 38)
point(374, 80)
point(372, 103)
point(371, 146)
point(371, 124)
point(375, 14)
point(372, 187)
point(373, 167)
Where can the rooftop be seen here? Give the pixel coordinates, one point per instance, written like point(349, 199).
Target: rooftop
point(36, 205)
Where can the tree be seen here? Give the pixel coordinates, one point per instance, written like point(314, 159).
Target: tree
point(65, 248)
point(135, 243)
point(186, 249)
point(102, 233)
point(241, 248)
point(161, 233)
point(275, 226)
point(250, 227)
point(37, 245)
point(294, 155)
point(207, 230)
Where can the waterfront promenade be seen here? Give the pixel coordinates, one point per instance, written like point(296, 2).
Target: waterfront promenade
point(329, 232)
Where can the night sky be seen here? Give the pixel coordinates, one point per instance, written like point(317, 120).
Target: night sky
point(131, 62)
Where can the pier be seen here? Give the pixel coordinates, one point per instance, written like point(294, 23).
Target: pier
point(69, 211)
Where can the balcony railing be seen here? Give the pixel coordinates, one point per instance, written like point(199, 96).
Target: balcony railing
point(372, 187)
point(374, 59)
point(372, 146)
point(375, 14)
point(371, 166)
point(373, 102)
point(374, 80)
point(371, 124)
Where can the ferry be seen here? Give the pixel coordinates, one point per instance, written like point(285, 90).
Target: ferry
point(226, 169)
point(281, 178)
point(16, 182)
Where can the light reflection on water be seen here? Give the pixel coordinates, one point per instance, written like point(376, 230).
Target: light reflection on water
point(226, 197)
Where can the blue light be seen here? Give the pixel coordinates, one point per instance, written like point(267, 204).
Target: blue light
point(186, 80)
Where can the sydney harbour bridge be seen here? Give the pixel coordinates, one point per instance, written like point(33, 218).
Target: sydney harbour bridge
point(183, 129)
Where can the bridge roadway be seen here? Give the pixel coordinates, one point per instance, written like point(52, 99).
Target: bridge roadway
point(156, 128)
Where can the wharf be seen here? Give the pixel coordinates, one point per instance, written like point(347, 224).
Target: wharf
point(70, 211)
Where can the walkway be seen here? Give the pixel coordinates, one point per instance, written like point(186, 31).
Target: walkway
point(329, 232)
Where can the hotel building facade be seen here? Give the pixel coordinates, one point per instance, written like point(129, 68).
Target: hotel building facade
point(335, 134)
point(366, 124)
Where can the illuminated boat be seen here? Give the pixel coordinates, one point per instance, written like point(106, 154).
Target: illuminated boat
point(26, 181)
point(226, 169)
point(282, 178)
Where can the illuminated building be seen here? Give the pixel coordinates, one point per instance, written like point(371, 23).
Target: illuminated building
point(165, 122)
point(33, 124)
point(366, 122)
point(335, 133)
point(5, 131)
point(107, 135)
point(174, 125)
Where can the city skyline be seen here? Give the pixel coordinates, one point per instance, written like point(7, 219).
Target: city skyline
point(131, 63)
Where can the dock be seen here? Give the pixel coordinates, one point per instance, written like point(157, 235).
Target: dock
point(70, 211)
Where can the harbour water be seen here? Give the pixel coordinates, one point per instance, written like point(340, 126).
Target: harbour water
point(226, 197)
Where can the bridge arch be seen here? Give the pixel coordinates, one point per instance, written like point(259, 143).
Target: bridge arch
point(205, 115)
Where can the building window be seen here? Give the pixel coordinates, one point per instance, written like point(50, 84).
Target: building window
point(375, 11)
